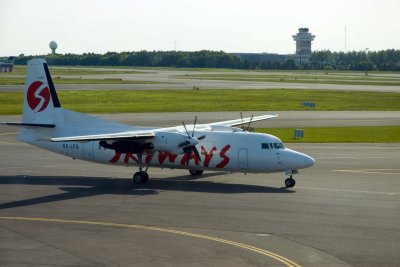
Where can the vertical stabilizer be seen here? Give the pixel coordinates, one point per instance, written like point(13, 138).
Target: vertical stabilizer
point(40, 97)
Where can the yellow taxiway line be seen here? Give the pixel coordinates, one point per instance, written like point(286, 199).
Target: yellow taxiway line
point(264, 252)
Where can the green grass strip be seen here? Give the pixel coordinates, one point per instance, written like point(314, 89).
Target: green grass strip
point(114, 101)
point(359, 134)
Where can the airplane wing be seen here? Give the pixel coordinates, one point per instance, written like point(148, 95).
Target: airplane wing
point(137, 135)
point(241, 121)
point(133, 135)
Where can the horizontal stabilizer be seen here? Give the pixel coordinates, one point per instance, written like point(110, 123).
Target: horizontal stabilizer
point(22, 124)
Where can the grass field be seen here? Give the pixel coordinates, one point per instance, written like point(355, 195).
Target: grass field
point(102, 101)
point(363, 134)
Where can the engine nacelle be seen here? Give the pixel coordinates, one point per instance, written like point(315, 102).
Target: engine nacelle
point(172, 142)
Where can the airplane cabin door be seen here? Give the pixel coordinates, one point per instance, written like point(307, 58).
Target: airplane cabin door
point(242, 157)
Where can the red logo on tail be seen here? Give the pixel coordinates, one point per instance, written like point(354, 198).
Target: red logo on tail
point(38, 96)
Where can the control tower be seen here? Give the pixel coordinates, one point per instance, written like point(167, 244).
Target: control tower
point(303, 46)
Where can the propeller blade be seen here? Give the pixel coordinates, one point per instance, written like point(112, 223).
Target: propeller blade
point(248, 126)
point(194, 125)
point(201, 137)
point(196, 152)
point(188, 157)
point(184, 126)
point(189, 150)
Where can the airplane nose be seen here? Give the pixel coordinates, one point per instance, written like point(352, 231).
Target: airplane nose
point(308, 161)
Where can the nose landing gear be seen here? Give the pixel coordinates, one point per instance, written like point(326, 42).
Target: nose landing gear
point(290, 182)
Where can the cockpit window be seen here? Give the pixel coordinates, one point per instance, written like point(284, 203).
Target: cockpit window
point(279, 146)
point(265, 146)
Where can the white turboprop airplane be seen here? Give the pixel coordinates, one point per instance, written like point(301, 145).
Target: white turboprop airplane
point(215, 146)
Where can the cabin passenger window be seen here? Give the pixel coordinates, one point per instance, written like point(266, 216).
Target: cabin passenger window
point(265, 146)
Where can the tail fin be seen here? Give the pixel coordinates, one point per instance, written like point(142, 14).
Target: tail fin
point(40, 97)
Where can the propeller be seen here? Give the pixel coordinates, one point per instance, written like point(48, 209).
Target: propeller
point(189, 146)
point(243, 127)
point(251, 119)
point(247, 128)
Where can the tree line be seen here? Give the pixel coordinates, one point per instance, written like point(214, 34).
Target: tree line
point(385, 60)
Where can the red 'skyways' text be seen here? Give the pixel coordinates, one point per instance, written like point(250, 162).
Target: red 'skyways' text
point(167, 157)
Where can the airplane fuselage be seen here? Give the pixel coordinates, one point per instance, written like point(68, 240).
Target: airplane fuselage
point(221, 150)
point(210, 146)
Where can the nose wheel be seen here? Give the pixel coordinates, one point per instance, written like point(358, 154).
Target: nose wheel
point(290, 182)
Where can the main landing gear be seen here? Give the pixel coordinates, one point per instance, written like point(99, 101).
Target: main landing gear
point(290, 182)
point(142, 177)
point(195, 172)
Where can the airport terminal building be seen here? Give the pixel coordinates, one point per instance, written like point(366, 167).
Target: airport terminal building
point(8, 65)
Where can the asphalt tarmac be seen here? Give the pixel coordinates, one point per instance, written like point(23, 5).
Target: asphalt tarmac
point(344, 211)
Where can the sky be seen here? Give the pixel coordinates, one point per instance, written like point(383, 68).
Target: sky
point(99, 26)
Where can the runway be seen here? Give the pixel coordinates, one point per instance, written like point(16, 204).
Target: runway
point(344, 211)
point(285, 118)
point(175, 79)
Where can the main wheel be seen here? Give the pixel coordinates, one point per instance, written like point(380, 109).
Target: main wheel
point(290, 182)
point(145, 178)
point(196, 172)
point(140, 177)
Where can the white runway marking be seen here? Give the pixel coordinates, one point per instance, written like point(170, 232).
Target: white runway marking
point(374, 171)
point(356, 157)
point(350, 191)
point(45, 166)
point(12, 144)
point(9, 133)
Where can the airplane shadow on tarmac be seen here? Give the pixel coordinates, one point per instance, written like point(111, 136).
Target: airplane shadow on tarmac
point(81, 187)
